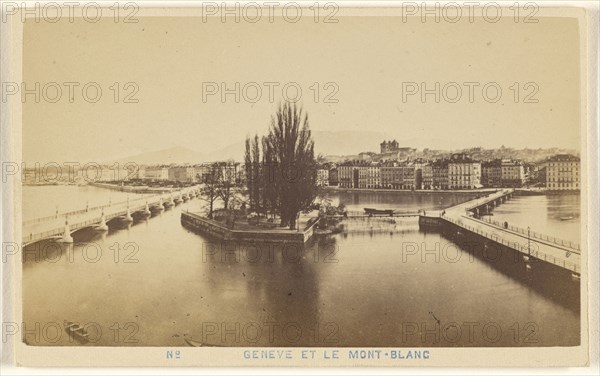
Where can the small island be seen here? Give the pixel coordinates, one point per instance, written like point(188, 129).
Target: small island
point(271, 199)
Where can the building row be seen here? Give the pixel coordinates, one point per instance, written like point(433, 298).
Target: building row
point(459, 171)
point(198, 173)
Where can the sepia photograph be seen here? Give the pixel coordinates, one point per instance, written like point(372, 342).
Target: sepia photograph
point(290, 183)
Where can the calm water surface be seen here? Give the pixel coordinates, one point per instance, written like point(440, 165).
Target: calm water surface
point(154, 283)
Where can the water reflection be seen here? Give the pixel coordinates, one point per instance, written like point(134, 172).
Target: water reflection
point(382, 286)
point(555, 215)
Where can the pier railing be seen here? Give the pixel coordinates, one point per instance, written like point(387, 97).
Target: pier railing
point(523, 248)
point(358, 213)
point(536, 235)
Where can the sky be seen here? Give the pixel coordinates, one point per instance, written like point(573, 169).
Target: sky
point(367, 61)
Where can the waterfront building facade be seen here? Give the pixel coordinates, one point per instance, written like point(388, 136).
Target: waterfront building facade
point(513, 173)
point(322, 177)
point(491, 173)
point(427, 176)
point(562, 172)
point(333, 177)
point(397, 176)
point(183, 174)
point(440, 174)
point(346, 176)
point(157, 173)
point(463, 172)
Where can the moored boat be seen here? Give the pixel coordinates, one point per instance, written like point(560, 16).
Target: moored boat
point(379, 211)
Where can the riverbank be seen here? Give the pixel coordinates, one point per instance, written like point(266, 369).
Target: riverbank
point(543, 192)
point(521, 191)
point(426, 191)
point(134, 189)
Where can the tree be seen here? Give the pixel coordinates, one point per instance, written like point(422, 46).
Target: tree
point(256, 173)
point(291, 148)
point(210, 189)
point(269, 182)
point(249, 170)
point(227, 182)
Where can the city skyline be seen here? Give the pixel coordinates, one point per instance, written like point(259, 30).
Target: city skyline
point(181, 154)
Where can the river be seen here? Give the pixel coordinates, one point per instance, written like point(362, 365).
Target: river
point(155, 283)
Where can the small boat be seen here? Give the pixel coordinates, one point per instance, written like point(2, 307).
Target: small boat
point(567, 218)
point(193, 343)
point(379, 211)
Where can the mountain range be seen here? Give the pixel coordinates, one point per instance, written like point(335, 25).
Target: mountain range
point(326, 143)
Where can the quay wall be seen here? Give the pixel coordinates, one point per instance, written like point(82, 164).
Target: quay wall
point(214, 228)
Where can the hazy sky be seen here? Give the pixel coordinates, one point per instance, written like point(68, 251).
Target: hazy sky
point(368, 58)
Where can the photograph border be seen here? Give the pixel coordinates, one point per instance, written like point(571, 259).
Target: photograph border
point(42, 356)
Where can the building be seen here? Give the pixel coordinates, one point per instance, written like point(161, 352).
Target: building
point(388, 146)
point(513, 173)
point(346, 176)
point(369, 176)
point(228, 170)
point(491, 173)
point(322, 177)
point(409, 178)
point(440, 174)
point(463, 172)
point(184, 174)
point(391, 176)
point(427, 176)
point(562, 172)
point(396, 175)
point(140, 173)
point(333, 177)
point(157, 173)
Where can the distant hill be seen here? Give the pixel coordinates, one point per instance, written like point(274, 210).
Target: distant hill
point(348, 142)
point(174, 155)
point(326, 143)
point(336, 146)
point(339, 143)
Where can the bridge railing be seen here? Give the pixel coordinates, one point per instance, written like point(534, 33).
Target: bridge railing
point(99, 207)
point(521, 247)
point(536, 235)
point(488, 199)
point(27, 238)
